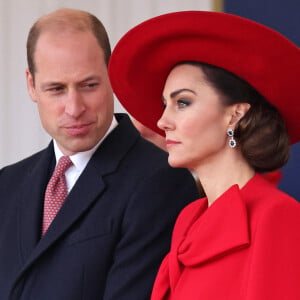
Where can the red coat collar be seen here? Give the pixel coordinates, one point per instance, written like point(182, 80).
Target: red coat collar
point(221, 229)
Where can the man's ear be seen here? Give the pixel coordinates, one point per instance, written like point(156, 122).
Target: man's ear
point(238, 111)
point(31, 86)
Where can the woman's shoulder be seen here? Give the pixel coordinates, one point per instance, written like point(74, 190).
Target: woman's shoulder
point(260, 190)
point(268, 205)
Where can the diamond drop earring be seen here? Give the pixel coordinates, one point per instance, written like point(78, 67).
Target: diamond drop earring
point(232, 141)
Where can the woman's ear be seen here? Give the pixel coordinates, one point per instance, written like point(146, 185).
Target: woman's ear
point(238, 111)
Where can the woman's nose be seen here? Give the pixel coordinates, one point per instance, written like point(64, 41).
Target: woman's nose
point(164, 122)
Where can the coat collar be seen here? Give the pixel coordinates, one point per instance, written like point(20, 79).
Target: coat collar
point(221, 229)
point(205, 234)
point(202, 234)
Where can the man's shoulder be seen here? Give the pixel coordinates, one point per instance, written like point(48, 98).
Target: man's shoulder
point(23, 164)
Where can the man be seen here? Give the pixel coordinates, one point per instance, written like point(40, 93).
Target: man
point(107, 239)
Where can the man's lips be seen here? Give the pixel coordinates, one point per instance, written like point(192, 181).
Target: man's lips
point(78, 129)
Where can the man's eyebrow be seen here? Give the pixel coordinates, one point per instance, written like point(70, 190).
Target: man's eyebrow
point(55, 83)
point(50, 84)
point(92, 77)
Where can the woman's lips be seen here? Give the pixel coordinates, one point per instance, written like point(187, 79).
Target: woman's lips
point(171, 143)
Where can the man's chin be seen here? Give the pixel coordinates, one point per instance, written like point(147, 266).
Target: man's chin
point(76, 147)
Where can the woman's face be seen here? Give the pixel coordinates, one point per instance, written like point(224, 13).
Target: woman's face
point(195, 120)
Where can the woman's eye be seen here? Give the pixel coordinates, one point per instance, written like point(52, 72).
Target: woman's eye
point(163, 104)
point(183, 103)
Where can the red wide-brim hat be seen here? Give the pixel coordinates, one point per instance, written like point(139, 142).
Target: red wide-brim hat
point(144, 56)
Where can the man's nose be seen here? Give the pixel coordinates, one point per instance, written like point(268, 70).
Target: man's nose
point(74, 105)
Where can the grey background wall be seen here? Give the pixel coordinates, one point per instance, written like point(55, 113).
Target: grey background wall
point(20, 130)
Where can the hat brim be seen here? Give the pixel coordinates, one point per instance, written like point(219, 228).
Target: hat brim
point(143, 58)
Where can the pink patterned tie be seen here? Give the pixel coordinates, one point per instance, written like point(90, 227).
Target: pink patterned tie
point(56, 192)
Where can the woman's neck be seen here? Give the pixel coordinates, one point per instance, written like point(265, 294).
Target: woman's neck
point(218, 175)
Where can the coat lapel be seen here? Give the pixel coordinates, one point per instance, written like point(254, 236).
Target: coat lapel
point(91, 184)
point(88, 187)
point(220, 230)
point(84, 193)
point(31, 197)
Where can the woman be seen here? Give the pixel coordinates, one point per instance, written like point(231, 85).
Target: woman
point(230, 92)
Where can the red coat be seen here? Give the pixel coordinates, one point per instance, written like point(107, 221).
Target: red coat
point(245, 246)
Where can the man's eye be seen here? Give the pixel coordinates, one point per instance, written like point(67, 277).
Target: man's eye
point(55, 89)
point(91, 85)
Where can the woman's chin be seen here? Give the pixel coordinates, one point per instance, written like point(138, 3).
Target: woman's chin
point(176, 163)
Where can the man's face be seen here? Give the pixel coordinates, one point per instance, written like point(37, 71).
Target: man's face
point(72, 89)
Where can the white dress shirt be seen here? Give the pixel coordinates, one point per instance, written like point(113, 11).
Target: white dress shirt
point(80, 159)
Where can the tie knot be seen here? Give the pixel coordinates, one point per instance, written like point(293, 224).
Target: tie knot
point(63, 164)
